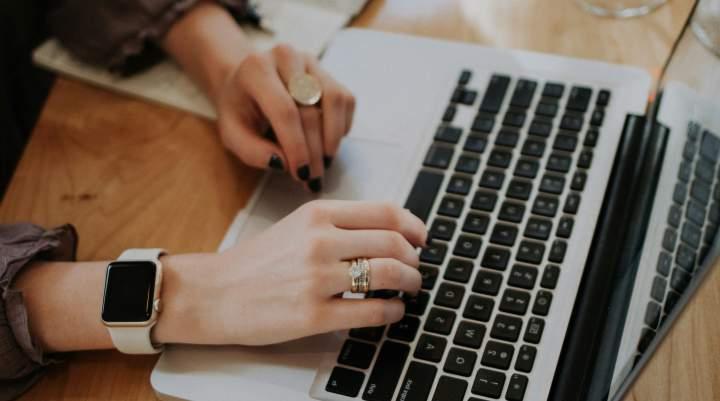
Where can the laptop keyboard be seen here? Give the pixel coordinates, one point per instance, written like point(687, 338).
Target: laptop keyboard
point(692, 224)
point(475, 328)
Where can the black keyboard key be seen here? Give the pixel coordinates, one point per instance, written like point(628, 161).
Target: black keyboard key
point(516, 388)
point(372, 334)
point(465, 76)
point(714, 213)
point(442, 229)
point(498, 355)
point(657, 291)
point(468, 97)
point(533, 147)
point(512, 212)
point(684, 171)
point(479, 308)
point(572, 203)
point(438, 157)
point(597, 117)
point(440, 321)
point(534, 330)
point(675, 215)
point(557, 251)
point(578, 181)
point(451, 207)
point(417, 383)
point(430, 348)
point(710, 148)
point(669, 239)
point(591, 137)
point(664, 263)
point(467, 164)
point(487, 282)
point(506, 328)
point(459, 270)
point(670, 301)
point(527, 168)
point(357, 354)
point(429, 276)
point(700, 191)
point(504, 234)
point(515, 302)
point(646, 338)
point(571, 122)
point(550, 276)
point(603, 98)
point(448, 133)
point(543, 299)
point(565, 227)
point(652, 315)
point(476, 223)
point(495, 93)
point(492, 179)
point(691, 234)
point(689, 151)
point(559, 162)
point(345, 382)
point(585, 159)
point(434, 253)
point(552, 184)
point(416, 305)
point(475, 143)
point(467, 246)
point(405, 329)
point(459, 185)
point(540, 128)
point(545, 206)
point(705, 170)
point(519, 189)
point(386, 372)
point(449, 113)
point(449, 295)
point(484, 200)
point(525, 358)
point(679, 280)
point(565, 142)
point(553, 89)
point(579, 98)
point(523, 94)
point(449, 389)
point(500, 158)
point(685, 257)
point(507, 138)
point(546, 109)
point(488, 383)
point(531, 252)
point(523, 277)
point(483, 123)
point(514, 119)
point(469, 334)
point(422, 195)
point(460, 362)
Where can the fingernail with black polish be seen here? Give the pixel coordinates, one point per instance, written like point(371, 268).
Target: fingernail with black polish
point(276, 163)
point(327, 161)
point(428, 240)
point(315, 184)
point(304, 172)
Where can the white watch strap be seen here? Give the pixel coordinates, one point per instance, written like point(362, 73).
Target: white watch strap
point(136, 340)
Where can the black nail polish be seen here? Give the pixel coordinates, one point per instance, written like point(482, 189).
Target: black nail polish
point(428, 240)
point(276, 163)
point(327, 161)
point(315, 184)
point(304, 172)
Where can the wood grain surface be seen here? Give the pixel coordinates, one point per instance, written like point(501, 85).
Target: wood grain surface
point(129, 173)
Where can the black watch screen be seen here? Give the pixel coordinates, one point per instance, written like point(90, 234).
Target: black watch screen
point(129, 290)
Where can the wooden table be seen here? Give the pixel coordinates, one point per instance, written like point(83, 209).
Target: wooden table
point(128, 173)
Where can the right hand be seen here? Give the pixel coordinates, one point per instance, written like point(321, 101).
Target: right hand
point(284, 284)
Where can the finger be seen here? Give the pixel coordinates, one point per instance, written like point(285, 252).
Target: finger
point(251, 148)
point(350, 111)
point(333, 105)
point(352, 313)
point(312, 125)
point(385, 274)
point(354, 215)
point(351, 244)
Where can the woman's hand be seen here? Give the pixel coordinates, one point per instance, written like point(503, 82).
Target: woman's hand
point(254, 98)
point(284, 284)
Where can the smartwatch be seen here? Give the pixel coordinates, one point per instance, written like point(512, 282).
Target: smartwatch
point(131, 303)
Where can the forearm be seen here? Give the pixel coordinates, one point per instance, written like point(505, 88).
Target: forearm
point(64, 301)
point(207, 43)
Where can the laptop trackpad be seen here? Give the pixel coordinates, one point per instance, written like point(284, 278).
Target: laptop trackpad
point(363, 170)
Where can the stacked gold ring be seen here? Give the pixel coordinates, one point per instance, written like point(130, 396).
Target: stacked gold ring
point(359, 275)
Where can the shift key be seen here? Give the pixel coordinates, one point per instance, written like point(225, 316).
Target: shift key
point(386, 372)
point(418, 380)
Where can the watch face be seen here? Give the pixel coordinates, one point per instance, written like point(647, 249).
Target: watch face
point(129, 289)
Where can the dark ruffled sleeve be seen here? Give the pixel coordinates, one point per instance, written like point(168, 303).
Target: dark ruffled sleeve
point(121, 35)
point(21, 360)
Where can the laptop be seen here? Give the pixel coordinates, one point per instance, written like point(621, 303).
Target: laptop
point(571, 218)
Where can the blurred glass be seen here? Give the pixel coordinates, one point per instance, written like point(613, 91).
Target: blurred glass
point(620, 8)
point(706, 24)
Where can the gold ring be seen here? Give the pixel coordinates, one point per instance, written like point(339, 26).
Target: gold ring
point(359, 275)
point(305, 89)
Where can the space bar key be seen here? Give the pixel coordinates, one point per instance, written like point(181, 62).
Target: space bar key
point(423, 193)
point(386, 372)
